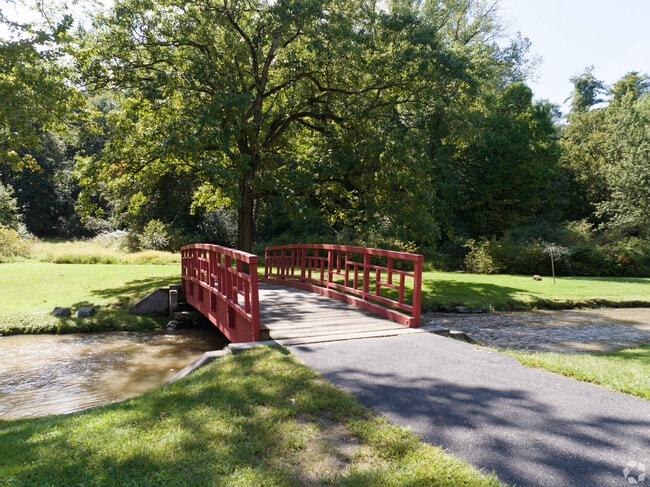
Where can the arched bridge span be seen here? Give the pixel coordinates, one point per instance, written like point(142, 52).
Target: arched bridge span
point(223, 284)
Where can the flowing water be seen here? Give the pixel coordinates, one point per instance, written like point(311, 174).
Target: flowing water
point(57, 374)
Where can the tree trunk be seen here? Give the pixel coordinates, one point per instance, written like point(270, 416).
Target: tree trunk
point(245, 215)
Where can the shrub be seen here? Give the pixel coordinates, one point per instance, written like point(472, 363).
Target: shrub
point(631, 257)
point(12, 244)
point(117, 240)
point(154, 236)
point(590, 259)
point(479, 260)
point(9, 215)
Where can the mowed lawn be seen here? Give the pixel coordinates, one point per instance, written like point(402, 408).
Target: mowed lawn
point(503, 292)
point(38, 287)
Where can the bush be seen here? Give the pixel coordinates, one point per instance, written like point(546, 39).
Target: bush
point(12, 244)
point(117, 240)
point(479, 259)
point(590, 259)
point(154, 236)
point(9, 215)
point(630, 257)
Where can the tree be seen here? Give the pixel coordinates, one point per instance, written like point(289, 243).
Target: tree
point(219, 87)
point(627, 174)
point(633, 85)
point(507, 171)
point(448, 122)
point(586, 91)
point(36, 95)
point(41, 112)
point(584, 146)
point(9, 215)
point(606, 152)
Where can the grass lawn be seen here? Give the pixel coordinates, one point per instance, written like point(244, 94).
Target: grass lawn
point(35, 288)
point(507, 292)
point(624, 371)
point(258, 418)
point(40, 286)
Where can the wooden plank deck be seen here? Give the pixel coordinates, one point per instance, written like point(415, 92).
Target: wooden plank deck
point(291, 317)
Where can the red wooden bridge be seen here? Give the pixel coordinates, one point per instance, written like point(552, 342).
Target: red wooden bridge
point(306, 291)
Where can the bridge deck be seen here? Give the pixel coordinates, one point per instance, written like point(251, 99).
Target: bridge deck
point(292, 316)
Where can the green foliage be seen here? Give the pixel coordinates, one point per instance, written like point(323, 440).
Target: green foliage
point(632, 85)
point(154, 236)
point(507, 172)
point(9, 215)
point(35, 89)
point(586, 91)
point(627, 209)
point(219, 227)
point(302, 76)
point(631, 256)
point(479, 259)
point(13, 244)
point(406, 126)
point(606, 153)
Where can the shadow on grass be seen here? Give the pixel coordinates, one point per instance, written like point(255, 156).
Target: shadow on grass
point(251, 420)
point(126, 295)
point(105, 319)
point(437, 293)
point(640, 355)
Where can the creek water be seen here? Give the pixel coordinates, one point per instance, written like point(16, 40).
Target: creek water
point(58, 374)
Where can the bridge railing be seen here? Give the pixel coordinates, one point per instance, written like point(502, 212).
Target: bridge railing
point(384, 282)
point(222, 284)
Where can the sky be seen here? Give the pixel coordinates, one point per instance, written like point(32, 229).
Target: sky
point(571, 35)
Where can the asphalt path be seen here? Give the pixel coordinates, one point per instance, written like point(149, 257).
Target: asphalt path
point(532, 428)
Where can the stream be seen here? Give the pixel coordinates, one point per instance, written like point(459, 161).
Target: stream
point(58, 374)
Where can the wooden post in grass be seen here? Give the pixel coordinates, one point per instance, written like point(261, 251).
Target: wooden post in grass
point(553, 250)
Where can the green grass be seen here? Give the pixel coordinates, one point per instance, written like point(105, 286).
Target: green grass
point(258, 418)
point(507, 292)
point(89, 252)
point(625, 371)
point(40, 286)
point(510, 292)
point(34, 289)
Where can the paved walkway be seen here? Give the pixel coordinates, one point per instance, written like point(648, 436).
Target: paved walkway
point(531, 427)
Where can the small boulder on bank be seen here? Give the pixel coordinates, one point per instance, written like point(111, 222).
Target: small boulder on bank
point(85, 311)
point(61, 312)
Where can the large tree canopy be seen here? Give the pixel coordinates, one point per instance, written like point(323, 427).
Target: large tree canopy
point(607, 152)
point(34, 89)
point(223, 88)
